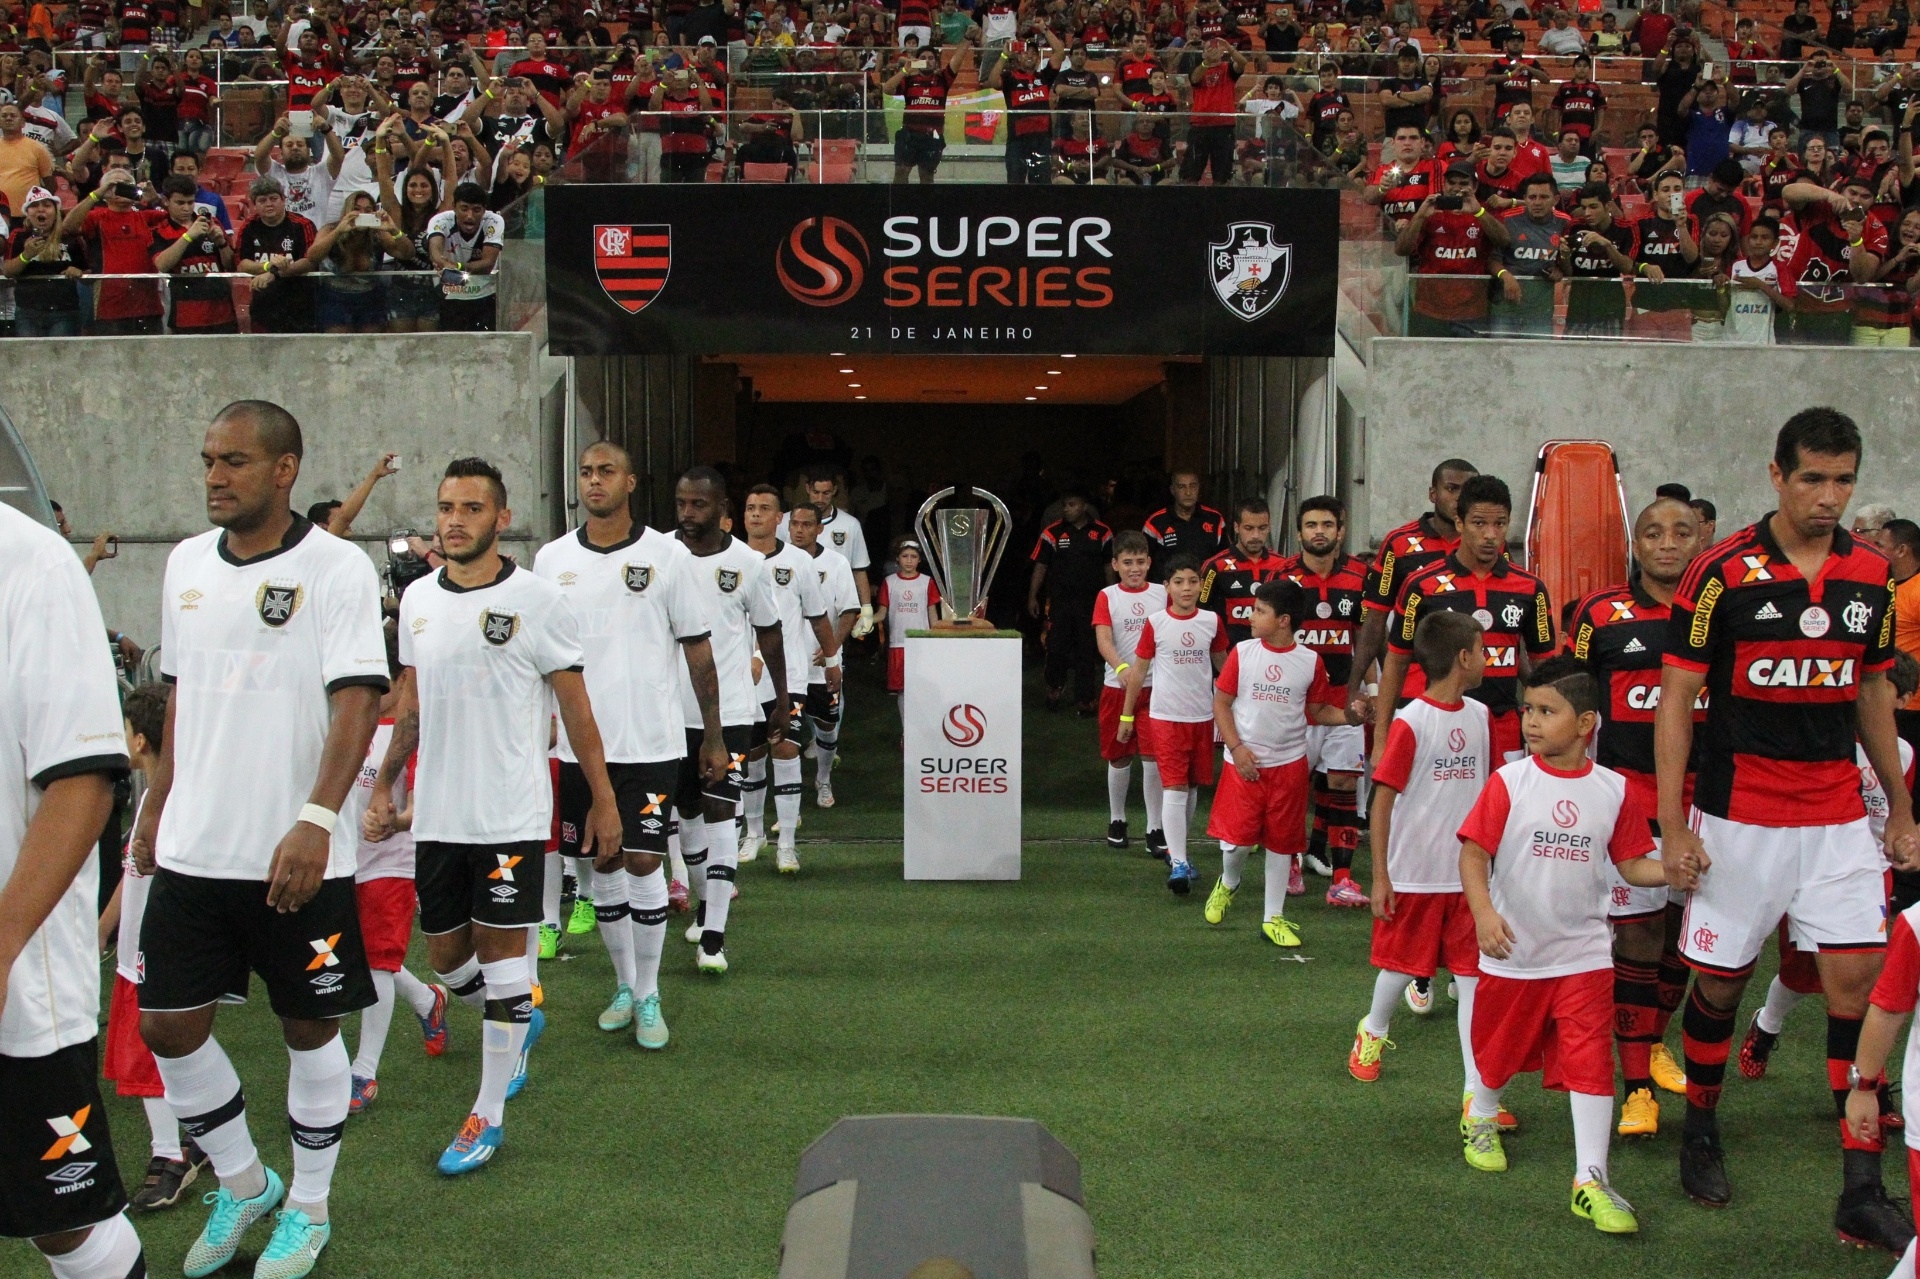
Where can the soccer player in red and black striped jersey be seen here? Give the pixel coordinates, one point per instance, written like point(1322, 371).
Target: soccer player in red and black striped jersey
point(1619, 634)
point(1406, 550)
point(1333, 582)
point(1510, 604)
point(1229, 579)
point(1187, 526)
point(1787, 625)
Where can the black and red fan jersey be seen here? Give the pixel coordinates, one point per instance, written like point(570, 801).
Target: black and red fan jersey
point(1784, 658)
point(1509, 603)
point(1227, 584)
point(1407, 550)
point(1076, 559)
point(1201, 535)
point(1579, 105)
point(1333, 611)
point(1620, 633)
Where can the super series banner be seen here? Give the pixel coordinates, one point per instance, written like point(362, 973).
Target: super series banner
point(702, 270)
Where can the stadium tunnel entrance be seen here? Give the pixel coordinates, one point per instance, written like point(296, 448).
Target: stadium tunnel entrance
point(1018, 425)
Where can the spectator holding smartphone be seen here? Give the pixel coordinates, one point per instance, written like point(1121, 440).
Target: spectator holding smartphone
point(188, 242)
point(44, 265)
point(120, 234)
point(464, 244)
point(413, 299)
point(924, 82)
point(347, 255)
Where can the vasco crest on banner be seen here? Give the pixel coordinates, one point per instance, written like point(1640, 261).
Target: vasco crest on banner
point(1250, 269)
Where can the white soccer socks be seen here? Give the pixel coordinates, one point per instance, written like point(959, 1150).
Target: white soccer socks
point(1772, 1016)
point(1278, 869)
point(1152, 792)
point(1233, 860)
point(647, 904)
point(415, 993)
point(204, 1091)
point(693, 848)
point(550, 891)
point(1174, 807)
point(1464, 991)
point(165, 1129)
point(111, 1250)
point(1119, 779)
point(723, 857)
point(787, 787)
point(319, 1089)
point(1592, 1131)
point(503, 1033)
point(753, 798)
point(467, 984)
point(616, 925)
point(374, 1024)
point(1387, 989)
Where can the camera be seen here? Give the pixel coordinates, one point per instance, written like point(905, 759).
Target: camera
point(125, 190)
point(404, 567)
point(1451, 203)
point(367, 221)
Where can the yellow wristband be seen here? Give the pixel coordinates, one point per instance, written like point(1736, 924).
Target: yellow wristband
point(1123, 666)
point(1126, 719)
point(1854, 244)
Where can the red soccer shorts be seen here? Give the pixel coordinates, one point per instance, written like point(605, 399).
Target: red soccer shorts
point(1503, 733)
point(1561, 1026)
point(128, 1061)
point(1428, 931)
point(386, 921)
point(896, 670)
point(1271, 812)
point(1112, 749)
point(1184, 752)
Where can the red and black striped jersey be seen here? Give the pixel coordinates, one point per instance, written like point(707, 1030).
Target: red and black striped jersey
point(1509, 603)
point(1784, 658)
point(1333, 611)
point(1201, 535)
point(1407, 550)
point(1227, 584)
point(1620, 633)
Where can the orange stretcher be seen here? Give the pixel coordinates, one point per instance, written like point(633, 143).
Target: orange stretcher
point(1579, 536)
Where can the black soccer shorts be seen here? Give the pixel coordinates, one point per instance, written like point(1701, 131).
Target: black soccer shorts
point(493, 884)
point(823, 705)
point(642, 792)
point(690, 788)
point(57, 1171)
point(202, 936)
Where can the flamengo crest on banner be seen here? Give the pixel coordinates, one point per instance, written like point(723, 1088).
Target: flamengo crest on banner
point(1249, 269)
point(633, 263)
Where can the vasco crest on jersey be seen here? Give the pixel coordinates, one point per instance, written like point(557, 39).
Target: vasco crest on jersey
point(277, 602)
point(783, 576)
point(498, 627)
point(637, 576)
point(728, 580)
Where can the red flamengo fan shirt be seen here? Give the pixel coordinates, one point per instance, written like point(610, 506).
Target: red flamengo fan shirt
point(1333, 610)
point(1404, 190)
point(1783, 657)
point(125, 243)
point(1407, 550)
point(1509, 603)
point(1621, 633)
point(926, 100)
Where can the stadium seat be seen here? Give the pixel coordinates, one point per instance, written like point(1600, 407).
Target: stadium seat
point(223, 164)
point(239, 210)
point(750, 172)
point(1633, 207)
point(1617, 159)
point(834, 159)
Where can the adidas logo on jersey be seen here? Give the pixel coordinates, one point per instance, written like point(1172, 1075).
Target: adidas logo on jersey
point(1634, 646)
point(1767, 613)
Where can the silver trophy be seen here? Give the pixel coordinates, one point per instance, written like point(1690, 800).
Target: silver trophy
point(962, 546)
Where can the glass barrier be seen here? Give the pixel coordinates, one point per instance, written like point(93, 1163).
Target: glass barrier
point(232, 302)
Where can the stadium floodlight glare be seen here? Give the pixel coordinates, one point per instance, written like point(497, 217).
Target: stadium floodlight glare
point(954, 1196)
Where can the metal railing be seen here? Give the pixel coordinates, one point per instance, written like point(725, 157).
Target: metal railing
point(93, 305)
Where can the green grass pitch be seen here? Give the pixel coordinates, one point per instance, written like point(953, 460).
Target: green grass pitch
point(1199, 1076)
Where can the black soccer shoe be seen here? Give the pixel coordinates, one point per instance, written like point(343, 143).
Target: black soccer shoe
point(1157, 845)
point(1117, 834)
point(1703, 1171)
point(1867, 1218)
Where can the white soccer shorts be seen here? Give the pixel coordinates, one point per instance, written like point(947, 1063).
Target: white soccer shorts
point(1336, 748)
point(1829, 881)
point(1630, 901)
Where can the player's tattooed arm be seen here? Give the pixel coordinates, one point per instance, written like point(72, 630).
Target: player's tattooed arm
point(379, 820)
point(706, 691)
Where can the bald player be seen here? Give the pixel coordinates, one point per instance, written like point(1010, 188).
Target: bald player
point(1620, 634)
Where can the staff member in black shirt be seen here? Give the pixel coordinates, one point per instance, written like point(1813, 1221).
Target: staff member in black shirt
point(1070, 560)
point(1185, 527)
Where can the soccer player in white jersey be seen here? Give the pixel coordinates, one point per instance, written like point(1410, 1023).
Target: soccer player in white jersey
point(259, 876)
point(485, 642)
point(383, 886)
point(1119, 613)
point(824, 705)
point(797, 591)
point(907, 601)
point(1430, 774)
point(736, 591)
point(1533, 863)
point(1187, 648)
point(632, 589)
point(1270, 689)
point(839, 531)
point(64, 747)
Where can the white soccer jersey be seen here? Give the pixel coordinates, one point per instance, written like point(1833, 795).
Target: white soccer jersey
point(392, 857)
point(841, 532)
point(1436, 757)
point(481, 657)
point(1126, 612)
point(463, 248)
point(254, 647)
point(909, 602)
point(635, 603)
point(59, 717)
point(1873, 794)
point(839, 592)
point(736, 594)
point(1181, 647)
point(1554, 836)
point(799, 599)
point(1272, 688)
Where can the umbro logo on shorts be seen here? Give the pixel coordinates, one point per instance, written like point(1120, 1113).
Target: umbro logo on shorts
point(69, 1140)
point(505, 869)
point(1767, 613)
point(323, 956)
point(68, 1178)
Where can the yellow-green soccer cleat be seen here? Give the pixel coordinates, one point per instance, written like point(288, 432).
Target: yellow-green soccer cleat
point(1667, 1072)
point(1218, 900)
point(582, 920)
point(1594, 1200)
point(1482, 1146)
point(1640, 1116)
point(1280, 932)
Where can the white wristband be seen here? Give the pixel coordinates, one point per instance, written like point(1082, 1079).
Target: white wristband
point(314, 815)
point(831, 663)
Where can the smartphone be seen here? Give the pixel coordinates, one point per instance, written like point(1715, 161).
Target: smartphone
point(1677, 203)
point(367, 221)
point(125, 190)
point(395, 460)
point(1451, 203)
point(205, 211)
point(113, 549)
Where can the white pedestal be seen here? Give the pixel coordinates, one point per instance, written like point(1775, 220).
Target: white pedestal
point(962, 710)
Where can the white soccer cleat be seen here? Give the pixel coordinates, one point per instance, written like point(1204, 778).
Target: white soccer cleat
point(713, 965)
point(1420, 1000)
point(693, 933)
point(785, 861)
point(750, 846)
point(823, 795)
